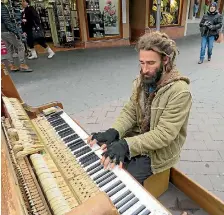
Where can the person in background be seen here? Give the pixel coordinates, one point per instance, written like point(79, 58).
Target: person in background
point(206, 7)
point(30, 19)
point(196, 7)
point(11, 34)
point(210, 26)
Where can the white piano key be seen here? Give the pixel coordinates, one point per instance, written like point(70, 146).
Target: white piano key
point(58, 126)
point(83, 155)
point(109, 184)
point(152, 213)
point(97, 173)
point(122, 191)
point(73, 141)
point(85, 168)
point(77, 149)
point(132, 209)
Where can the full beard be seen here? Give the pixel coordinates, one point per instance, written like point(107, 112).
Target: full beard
point(154, 79)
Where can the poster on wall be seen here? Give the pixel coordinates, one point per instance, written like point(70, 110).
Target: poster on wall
point(110, 11)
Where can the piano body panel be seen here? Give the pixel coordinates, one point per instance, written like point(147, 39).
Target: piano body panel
point(7, 85)
point(32, 111)
point(11, 198)
point(206, 200)
point(8, 89)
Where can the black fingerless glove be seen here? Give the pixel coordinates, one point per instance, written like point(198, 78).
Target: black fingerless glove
point(106, 137)
point(117, 151)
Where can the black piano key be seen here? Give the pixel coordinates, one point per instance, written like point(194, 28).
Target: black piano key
point(106, 181)
point(137, 211)
point(76, 146)
point(117, 189)
point(55, 114)
point(128, 205)
point(83, 152)
point(95, 170)
point(53, 117)
point(77, 141)
point(86, 157)
point(93, 166)
point(125, 200)
point(146, 212)
point(61, 127)
point(100, 175)
point(119, 198)
point(66, 131)
point(66, 134)
point(112, 186)
point(88, 162)
point(80, 150)
point(70, 138)
point(104, 177)
point(57, 122)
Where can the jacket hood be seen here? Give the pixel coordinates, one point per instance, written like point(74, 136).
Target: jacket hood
point(170, 77)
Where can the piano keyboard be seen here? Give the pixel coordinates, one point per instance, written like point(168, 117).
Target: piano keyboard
point(128, 196)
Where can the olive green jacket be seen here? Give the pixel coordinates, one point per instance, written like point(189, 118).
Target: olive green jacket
point(168, 123)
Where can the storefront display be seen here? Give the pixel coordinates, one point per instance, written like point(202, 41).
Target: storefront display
point(43, 14)
point(170, 10)
point(103, 18)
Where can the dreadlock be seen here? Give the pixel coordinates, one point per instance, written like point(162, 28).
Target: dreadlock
point(162, 44)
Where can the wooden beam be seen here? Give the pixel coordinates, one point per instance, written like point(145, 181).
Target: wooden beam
point(205, 199)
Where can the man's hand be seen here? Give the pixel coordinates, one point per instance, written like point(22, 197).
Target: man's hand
point(115, 154)
point(24, 34)
point(104, 139)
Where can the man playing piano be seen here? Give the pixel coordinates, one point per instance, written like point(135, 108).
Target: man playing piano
point(151, 129)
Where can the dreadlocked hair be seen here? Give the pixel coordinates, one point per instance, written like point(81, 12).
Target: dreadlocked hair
point(160, 43)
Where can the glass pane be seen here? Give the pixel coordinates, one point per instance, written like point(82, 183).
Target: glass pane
point(103, 18)
point(169, 12)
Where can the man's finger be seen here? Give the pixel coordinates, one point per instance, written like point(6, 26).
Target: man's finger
point(93, 142)
point(104, 146)
point(103, 159)
point(121, 165)
point(89, 139)
point(112, 165)
point(106, 162)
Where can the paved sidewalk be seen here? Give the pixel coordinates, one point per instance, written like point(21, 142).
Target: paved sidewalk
point(94, 84)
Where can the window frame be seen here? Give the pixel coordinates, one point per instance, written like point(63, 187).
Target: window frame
point(105, 37)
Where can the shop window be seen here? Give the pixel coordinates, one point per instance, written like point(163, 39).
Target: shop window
point(103, 18)
point(66, 19)
point(170, 12)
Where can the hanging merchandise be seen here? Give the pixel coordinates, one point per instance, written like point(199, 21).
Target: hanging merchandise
point(95, 19)
point(44, 19)
point(63, 23)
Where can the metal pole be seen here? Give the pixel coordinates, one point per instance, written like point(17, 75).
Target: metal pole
point(158, 15)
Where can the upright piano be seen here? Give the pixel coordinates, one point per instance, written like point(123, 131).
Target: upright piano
point(48, 168)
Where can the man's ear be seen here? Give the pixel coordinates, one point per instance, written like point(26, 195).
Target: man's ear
point(165, 60)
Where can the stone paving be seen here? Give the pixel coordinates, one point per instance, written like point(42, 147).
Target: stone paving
point(94, 84)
